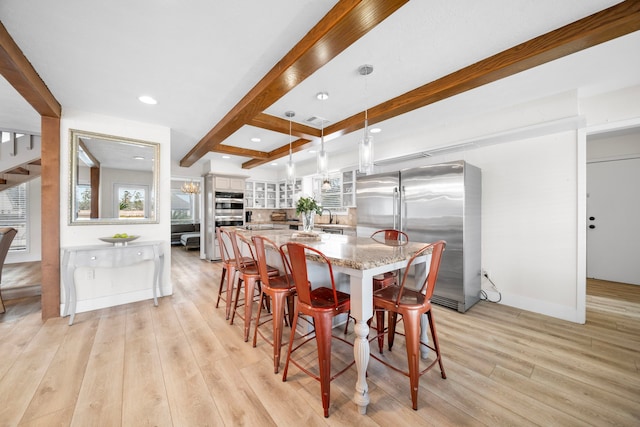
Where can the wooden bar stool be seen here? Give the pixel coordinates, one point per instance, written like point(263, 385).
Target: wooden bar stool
point(279, 288)
point(248, 276)
point(322, 304)
point(412, 304)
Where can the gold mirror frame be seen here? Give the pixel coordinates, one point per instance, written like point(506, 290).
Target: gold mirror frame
point(119, 151)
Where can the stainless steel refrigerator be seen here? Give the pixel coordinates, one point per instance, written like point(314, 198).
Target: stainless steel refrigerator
point(430, 203)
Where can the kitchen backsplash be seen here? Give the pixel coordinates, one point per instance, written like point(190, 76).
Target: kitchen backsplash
point(264, 215)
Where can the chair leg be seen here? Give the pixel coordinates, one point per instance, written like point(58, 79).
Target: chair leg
point(255, 331)
point(235, 302)
point(346, 324)
point(393, 319)
point(291, 339)
point(323, 324)
point(380, 328)
point(2, 304)
point(222, 283)
point(231, 279)
point(249, 290)
point(412, 335)
point(278, 323)
point(436, 345)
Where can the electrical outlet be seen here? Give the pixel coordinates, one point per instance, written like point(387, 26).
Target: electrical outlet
point(90, 275)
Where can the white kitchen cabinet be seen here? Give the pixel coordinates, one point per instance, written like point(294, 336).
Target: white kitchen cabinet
point(348, 188)
point(229, 183)
point(260, 194)
point(286, 193)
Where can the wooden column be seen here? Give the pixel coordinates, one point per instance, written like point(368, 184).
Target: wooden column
point(50, 217)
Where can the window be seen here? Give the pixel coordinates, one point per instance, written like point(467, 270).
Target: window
point(182, 207)
point(131, 201)
point(13, 213)
point(331, 198)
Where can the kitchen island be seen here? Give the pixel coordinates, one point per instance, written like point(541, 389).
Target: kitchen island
point(360, 258)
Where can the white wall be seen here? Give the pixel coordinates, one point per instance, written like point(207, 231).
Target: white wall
point(75, 235)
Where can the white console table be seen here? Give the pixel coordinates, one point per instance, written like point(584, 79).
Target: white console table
point(96, 256)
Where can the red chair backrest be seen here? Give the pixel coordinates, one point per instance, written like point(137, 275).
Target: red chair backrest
point(224, 251)
point(390, 235)
point(429, 284)
point(261, 245)
point(298, 258)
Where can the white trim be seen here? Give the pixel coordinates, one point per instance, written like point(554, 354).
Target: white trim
point(581, 226)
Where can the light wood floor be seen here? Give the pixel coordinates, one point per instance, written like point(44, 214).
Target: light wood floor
point(182, 364)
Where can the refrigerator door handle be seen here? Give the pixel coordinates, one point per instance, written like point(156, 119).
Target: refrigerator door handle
point(395, 208)
point(403, 223)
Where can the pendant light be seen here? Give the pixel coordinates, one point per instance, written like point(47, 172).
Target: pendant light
point(291, 167)
point(323, 157)
point(365, 148)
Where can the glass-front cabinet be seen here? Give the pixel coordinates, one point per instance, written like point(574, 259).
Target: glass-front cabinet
point(287, 192)
point(261, 194)
point(248, 194)
point(348, 189)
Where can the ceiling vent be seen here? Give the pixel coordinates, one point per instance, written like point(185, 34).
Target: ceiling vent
point(317, 121)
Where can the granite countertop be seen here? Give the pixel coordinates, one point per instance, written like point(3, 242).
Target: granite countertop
point(297, 222)
point(359, 253)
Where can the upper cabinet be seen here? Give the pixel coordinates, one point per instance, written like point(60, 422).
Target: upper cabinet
point(229, 183)
point(348, 188)
point(260, 194)
point(286, 193)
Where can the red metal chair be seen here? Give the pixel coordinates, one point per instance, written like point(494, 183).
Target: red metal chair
point(322, 304)
point(249, 276)
point(228, 270)
point(279, 288)
point(412, 304)
point(389, 237)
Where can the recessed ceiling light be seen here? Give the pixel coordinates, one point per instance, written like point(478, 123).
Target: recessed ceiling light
point(274, 164)
point(322, 96)
point(226, 157)
point(147, 100)
point(312, 151)
point(375, 130)
point(138, 158)
point(255, 139)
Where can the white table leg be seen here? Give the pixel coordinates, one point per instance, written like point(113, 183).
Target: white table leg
point(362, 310)
point(361, 356)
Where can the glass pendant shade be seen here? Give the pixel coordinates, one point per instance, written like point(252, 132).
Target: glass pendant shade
point(365, 152)
point(323, 163)
point(291, 172)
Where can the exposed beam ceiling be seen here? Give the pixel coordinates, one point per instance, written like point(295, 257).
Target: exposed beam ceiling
point(608, 24)
point(345, 23)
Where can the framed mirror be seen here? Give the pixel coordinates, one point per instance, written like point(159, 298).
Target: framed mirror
point(114, 180)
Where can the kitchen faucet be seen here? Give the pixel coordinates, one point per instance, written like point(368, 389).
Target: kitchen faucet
point(330, 215)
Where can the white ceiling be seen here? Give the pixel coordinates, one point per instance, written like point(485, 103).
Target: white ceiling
point(199, 58)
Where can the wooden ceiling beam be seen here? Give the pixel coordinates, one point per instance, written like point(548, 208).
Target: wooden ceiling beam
point(603, 26)
point(20, 74)
point(277, 124)
point(244, 152)
point(343, 25)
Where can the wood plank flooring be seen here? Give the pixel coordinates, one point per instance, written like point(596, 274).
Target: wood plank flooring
point(182, 364)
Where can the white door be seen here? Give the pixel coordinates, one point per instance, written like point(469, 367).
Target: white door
point(613, 221)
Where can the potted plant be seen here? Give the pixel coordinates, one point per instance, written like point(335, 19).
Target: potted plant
point(308, 208)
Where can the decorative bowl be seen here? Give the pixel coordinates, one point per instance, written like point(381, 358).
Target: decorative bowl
point(119, 241)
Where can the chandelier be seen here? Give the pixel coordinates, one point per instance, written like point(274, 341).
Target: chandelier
point(190, 188)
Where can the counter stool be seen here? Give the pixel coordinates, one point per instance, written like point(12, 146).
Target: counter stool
point(228, 270)
point(280, 289)
point(322, 304)
point(248, 276)
point(412, 304)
